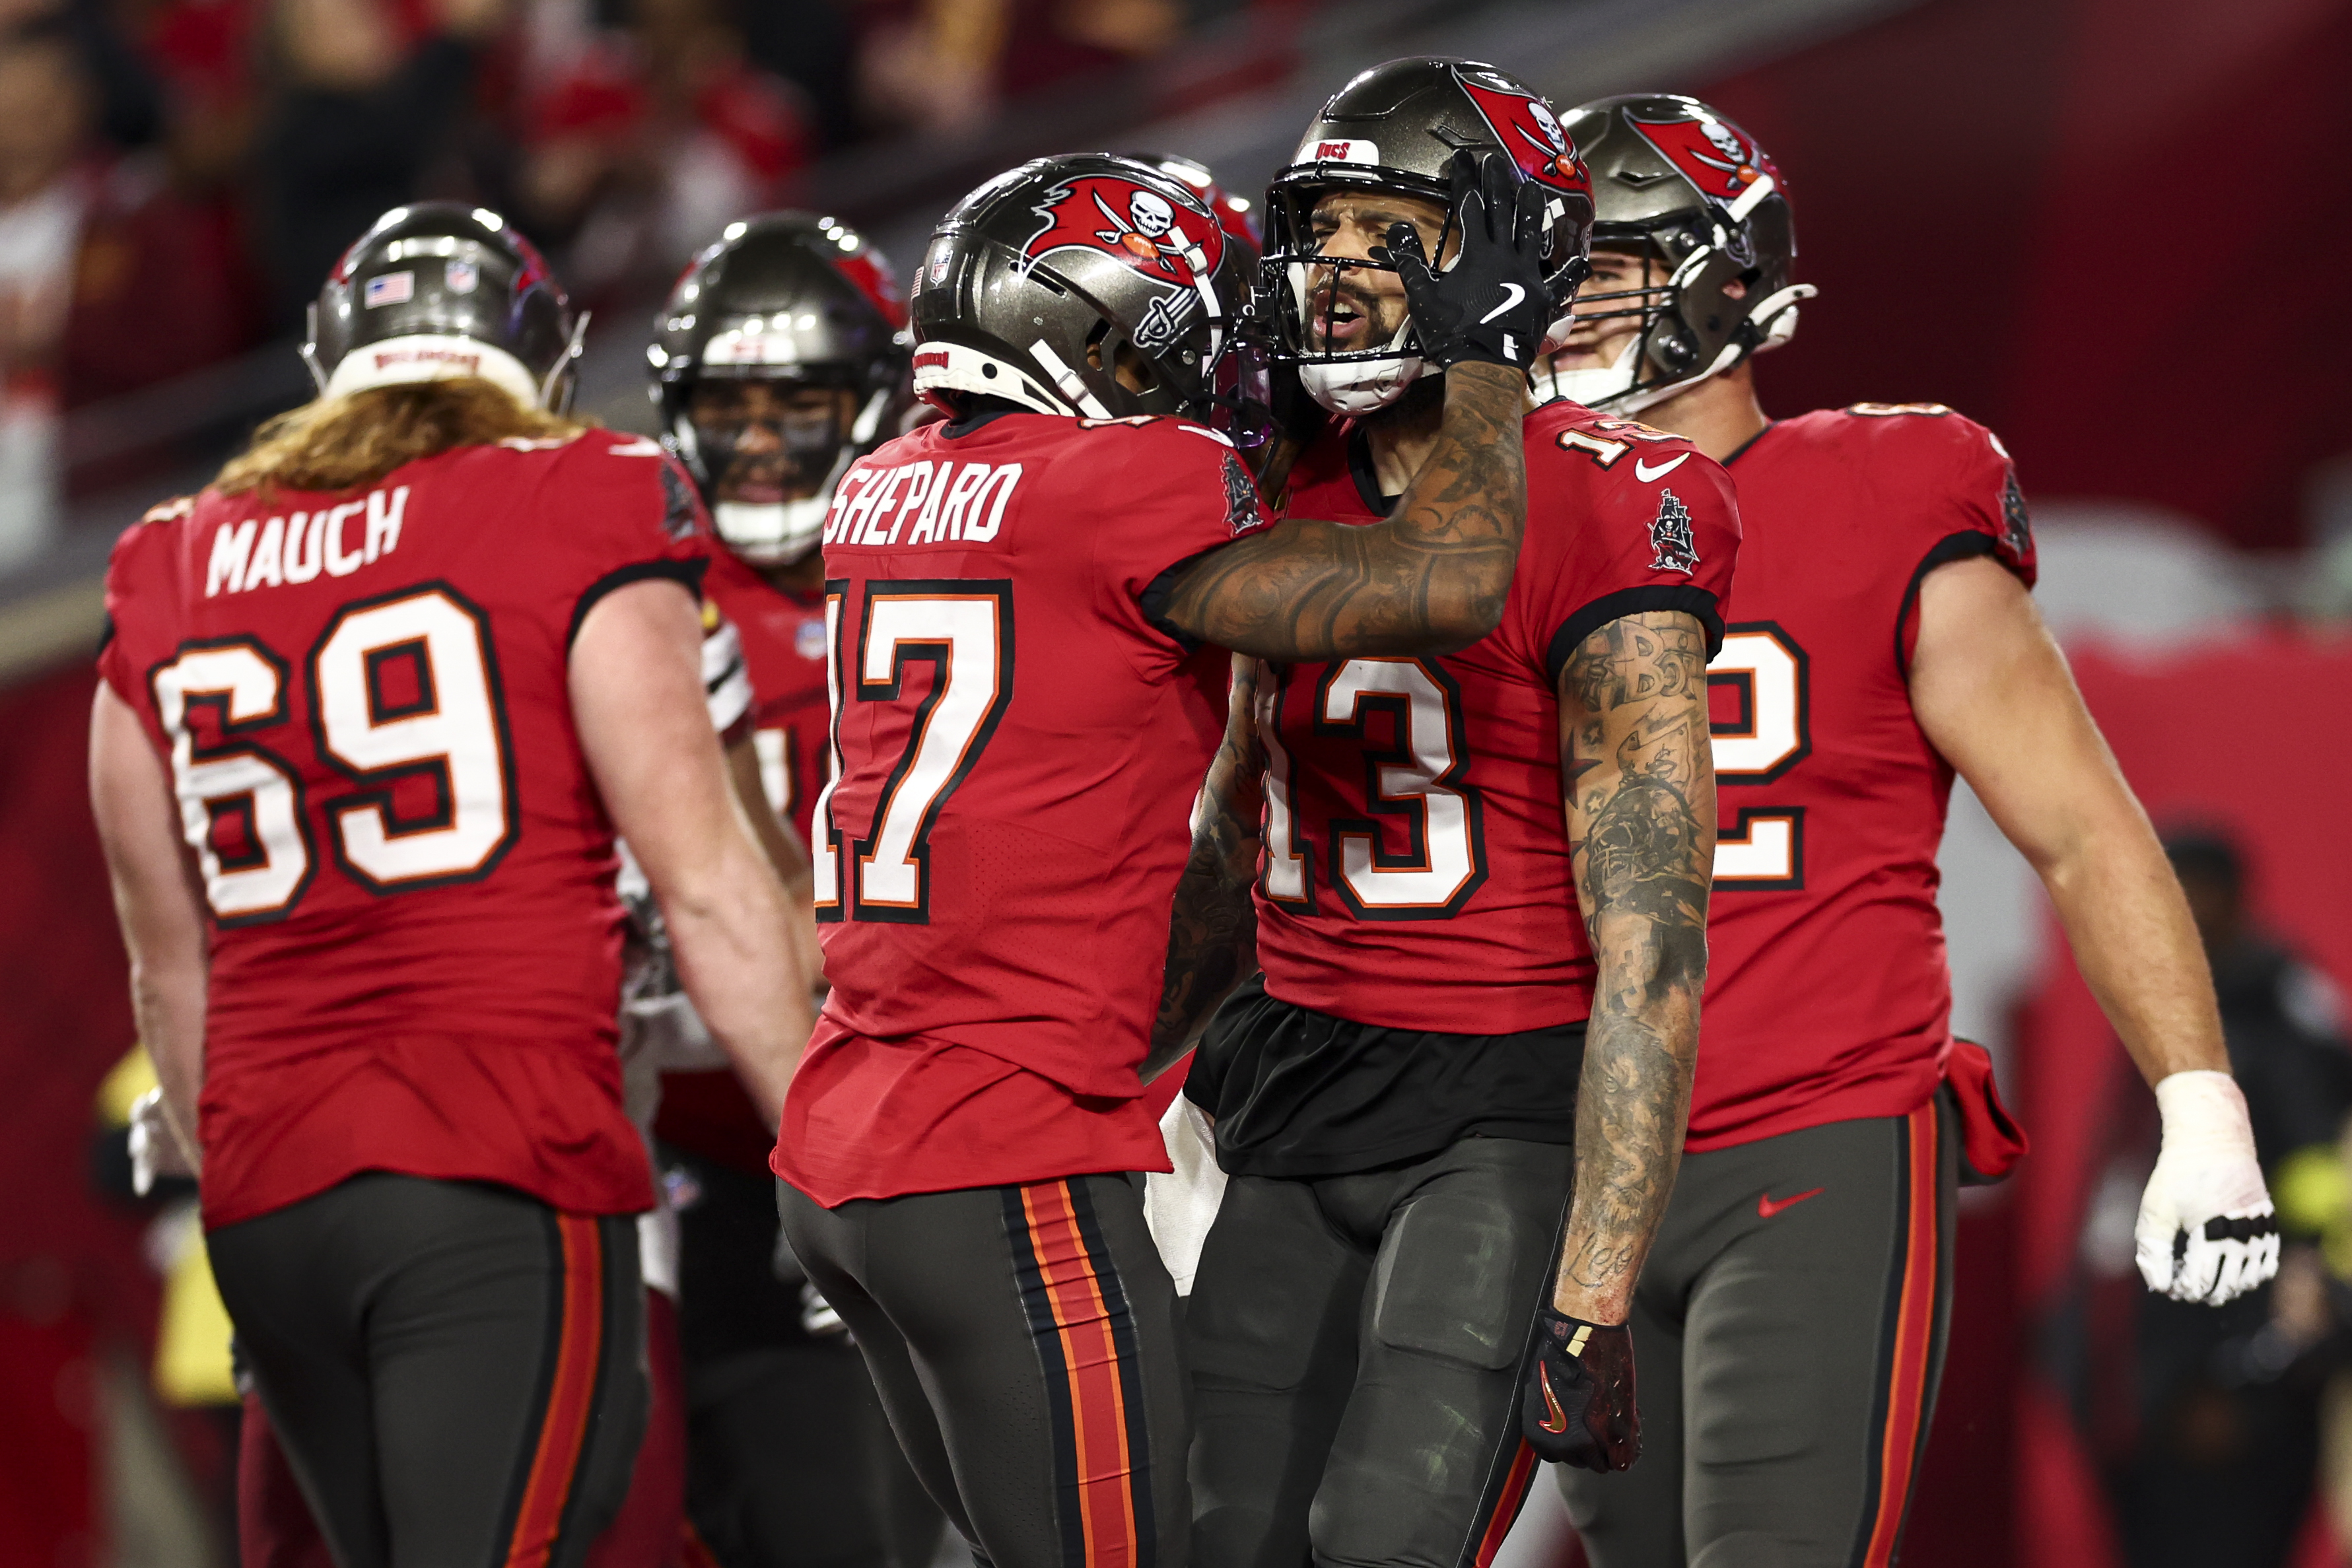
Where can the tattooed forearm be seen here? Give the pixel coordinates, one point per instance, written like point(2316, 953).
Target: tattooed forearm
point(1213, 927)
point(1638, 773)
point(1430, 578)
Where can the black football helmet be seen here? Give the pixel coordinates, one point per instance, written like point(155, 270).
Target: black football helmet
point(439, 289)
point(798, 300)
point(1395, 128)
point(1678, 182)
point(1041, 281)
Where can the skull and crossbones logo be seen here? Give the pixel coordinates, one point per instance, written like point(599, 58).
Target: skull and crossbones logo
point(1148, 232)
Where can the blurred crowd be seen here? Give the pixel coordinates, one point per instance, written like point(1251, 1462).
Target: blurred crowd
point(177, 176)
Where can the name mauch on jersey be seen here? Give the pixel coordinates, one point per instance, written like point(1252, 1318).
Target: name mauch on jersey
point(258, 553)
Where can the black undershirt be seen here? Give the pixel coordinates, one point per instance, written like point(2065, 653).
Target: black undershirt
point(1298, 1094)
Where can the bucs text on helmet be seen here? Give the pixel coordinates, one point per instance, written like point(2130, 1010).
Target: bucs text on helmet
point(1045, 284)
point(436, 290)
point(1395, 128)
point(1695, 195)
point(805, 309)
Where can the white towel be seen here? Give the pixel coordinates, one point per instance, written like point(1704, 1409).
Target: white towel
point(1180, 1207)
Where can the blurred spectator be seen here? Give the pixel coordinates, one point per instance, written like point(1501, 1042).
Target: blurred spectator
point(106, 280)
point(941, 67)
point(370, 96)
point(2221, 1467)
point(650, 141)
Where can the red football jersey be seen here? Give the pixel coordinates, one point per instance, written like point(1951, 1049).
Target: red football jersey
point(1018, 750)
point(415, 946)
point(783, 649)
point(1828, 994)
point(1416, 872)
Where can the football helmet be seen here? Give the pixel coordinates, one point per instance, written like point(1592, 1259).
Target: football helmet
point(440, 289)
point(1235, 215)
point(1395, 128)
point(798, 302)
point(1043, 280)
point(1680, 184)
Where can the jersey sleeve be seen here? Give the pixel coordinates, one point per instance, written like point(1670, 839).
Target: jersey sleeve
point(1961, 486)
point(1960, 498)
point(140, 595)
point(630, 514)
point(1191, 494)
point(1657, 529)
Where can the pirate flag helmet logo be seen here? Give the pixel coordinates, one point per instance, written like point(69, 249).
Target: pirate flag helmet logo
point(1722, 162)
point(1130, 221)
point(1527, 128)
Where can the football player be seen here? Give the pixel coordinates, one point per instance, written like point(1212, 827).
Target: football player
point(374, 704)
point(780, 359)
point(1025, 606)
point(1479, 887)
point(1792, 1322)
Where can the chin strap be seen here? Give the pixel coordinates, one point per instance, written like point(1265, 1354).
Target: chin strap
point(772, 533)
point(1353, 388)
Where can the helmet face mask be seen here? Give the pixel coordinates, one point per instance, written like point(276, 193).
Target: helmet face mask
point(1679, 184)
point(1391, 132)
point(1088, 286)
point(781, 360)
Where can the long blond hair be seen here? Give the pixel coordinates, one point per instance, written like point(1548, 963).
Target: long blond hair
point(344, 443)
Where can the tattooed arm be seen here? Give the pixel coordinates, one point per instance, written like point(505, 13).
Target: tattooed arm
point(1639, 775)
point(1430, 578)
point(1212, 929)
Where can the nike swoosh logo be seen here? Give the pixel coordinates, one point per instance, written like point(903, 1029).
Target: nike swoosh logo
point(1555, 1419)
point(1644, 473)
point(1767, 1206)
point(1517, 294)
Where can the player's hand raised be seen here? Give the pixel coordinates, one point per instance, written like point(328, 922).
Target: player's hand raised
point(1577, 1400)
point(1488, 305)
point(2206, 1231)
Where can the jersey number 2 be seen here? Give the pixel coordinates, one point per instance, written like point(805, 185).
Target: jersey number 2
point(963, 630)
point(1764, 848)
point(401, 689)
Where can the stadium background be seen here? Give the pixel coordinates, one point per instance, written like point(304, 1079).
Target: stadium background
point(2108, 228)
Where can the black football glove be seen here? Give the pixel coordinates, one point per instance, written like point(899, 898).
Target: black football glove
point(1577, 1407)
point(1491, 305)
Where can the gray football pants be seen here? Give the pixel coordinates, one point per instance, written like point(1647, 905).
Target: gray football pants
point(1024, 1344)
point(1788, 1338)
point(1356, 1344)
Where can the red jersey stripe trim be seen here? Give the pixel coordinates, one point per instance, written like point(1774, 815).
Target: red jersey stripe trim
point(571, 1395)
point(1914, 1347)
point(1072, 1291)
point(1516, 1481)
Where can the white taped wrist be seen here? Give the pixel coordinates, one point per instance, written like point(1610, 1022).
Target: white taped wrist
point(2204, 1110)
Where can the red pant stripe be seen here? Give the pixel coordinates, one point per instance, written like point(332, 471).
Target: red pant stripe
point(1914, 1341)
point(570, 1399)
point(1098, 1412)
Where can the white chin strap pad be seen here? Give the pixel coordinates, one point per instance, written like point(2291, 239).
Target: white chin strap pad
point(770, 533)
point(431, 357)
point(1353, 388)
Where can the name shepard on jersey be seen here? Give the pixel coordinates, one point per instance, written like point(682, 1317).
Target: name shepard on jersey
point(258, 553)
point(929, 503)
